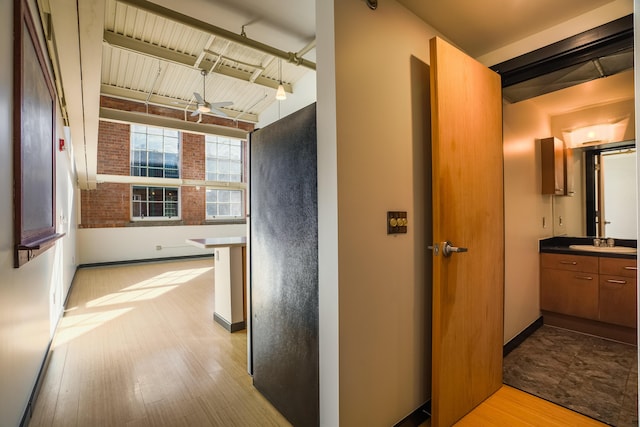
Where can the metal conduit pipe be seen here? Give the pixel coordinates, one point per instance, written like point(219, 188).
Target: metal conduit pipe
point(220, 32)
point(222, 56)
point(146, 102)
point(302, 52)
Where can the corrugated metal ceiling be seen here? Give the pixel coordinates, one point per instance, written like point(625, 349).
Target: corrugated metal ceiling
point(158, 60)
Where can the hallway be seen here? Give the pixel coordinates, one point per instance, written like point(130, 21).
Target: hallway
point(137, 346)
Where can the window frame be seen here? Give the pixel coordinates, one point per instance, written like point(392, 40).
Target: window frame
point(216, 185)
point(164, 169)
point(178, 216)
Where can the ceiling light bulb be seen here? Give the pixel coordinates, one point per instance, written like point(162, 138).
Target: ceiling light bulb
point(204, 109)
point(280, 93)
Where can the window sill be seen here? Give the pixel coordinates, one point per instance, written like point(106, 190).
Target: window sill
point(225, 221)
point(154, 223)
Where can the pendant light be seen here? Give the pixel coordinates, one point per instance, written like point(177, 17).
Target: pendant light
point(280, 93)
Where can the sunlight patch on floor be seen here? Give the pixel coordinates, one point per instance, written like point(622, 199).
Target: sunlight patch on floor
point(149, 288)
point(72, 327)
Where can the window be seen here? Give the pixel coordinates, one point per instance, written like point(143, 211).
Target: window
point(224, 203)
point(224, 164)
point(155, 152)
point(155, 203)
point(224, 159)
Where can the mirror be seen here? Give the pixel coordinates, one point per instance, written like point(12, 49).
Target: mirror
point(610, 106)
point(619, 194)
point(604, 199)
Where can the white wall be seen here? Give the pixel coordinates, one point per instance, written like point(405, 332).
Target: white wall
point(304, 93)
point(528, 214)
point(636, 75)
point(99, 245)
point(30, 297)
point(328, 292)
point(372, 117)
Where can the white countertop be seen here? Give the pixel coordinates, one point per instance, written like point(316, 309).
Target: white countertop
point(216, 242)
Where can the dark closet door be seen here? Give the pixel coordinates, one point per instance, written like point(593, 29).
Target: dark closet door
point(284, 265)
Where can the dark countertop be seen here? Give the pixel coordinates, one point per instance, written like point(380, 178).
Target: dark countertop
point(560, 245)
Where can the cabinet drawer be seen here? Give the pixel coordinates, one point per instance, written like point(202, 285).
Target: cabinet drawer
point(569, 292)
point(618, 267)
point(618, 296)
point(587, 264)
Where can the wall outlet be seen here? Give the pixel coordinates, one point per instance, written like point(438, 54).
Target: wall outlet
point(158, 247)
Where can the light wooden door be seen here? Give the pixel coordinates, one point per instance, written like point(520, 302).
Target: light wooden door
point(468, 287)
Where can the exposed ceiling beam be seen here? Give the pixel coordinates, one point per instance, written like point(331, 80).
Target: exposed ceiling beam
point(166, 122)
point(220, 32)
point(164, 101)
point(158, 52)
point(78, 52)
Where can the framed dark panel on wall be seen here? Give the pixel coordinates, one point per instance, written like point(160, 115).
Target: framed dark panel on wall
point(33, 141)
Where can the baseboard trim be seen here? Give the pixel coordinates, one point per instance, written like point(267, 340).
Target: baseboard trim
point(231, 327)
point(146, 260)
point(417, 417)
point(28, 411)
point(518, 339)
point(592, 327)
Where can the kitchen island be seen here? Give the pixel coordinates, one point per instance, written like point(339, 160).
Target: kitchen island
point(229, 279)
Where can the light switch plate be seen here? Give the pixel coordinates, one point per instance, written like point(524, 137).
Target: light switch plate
point(396, 222)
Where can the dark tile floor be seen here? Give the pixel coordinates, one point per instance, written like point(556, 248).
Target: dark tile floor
point(590, 375)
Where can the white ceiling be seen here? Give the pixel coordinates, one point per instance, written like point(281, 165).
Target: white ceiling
point(136, 50)
point(155, 56)
point(479, 27)
point(476, 27)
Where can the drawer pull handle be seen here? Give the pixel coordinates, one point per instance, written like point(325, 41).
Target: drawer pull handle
point(584, 277)
point(631, 268)
point(618, 282)
point(568, 262)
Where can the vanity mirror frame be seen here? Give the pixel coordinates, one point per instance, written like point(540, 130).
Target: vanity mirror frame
point(592, 155)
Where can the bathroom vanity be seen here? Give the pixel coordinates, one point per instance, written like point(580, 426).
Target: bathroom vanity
point(589, 289)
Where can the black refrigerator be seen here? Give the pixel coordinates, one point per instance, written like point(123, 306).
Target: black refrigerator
point(283, 247)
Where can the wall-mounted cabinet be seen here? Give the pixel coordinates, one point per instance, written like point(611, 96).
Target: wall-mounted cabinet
point(556, 165)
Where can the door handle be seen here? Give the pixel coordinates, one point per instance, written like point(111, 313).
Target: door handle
point(435, 248)
point(448, 249)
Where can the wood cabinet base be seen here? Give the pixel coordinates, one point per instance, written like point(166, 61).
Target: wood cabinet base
point(593, 327)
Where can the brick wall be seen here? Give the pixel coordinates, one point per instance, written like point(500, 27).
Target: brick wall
point(109, 205)
point(114, 148)
point(193, 205)
point(193, 156)
point(106, 206)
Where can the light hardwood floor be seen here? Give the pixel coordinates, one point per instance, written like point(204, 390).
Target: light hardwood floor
point(137, 347)
point(510, 407)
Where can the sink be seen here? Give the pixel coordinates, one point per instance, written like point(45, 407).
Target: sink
point(605, 249)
